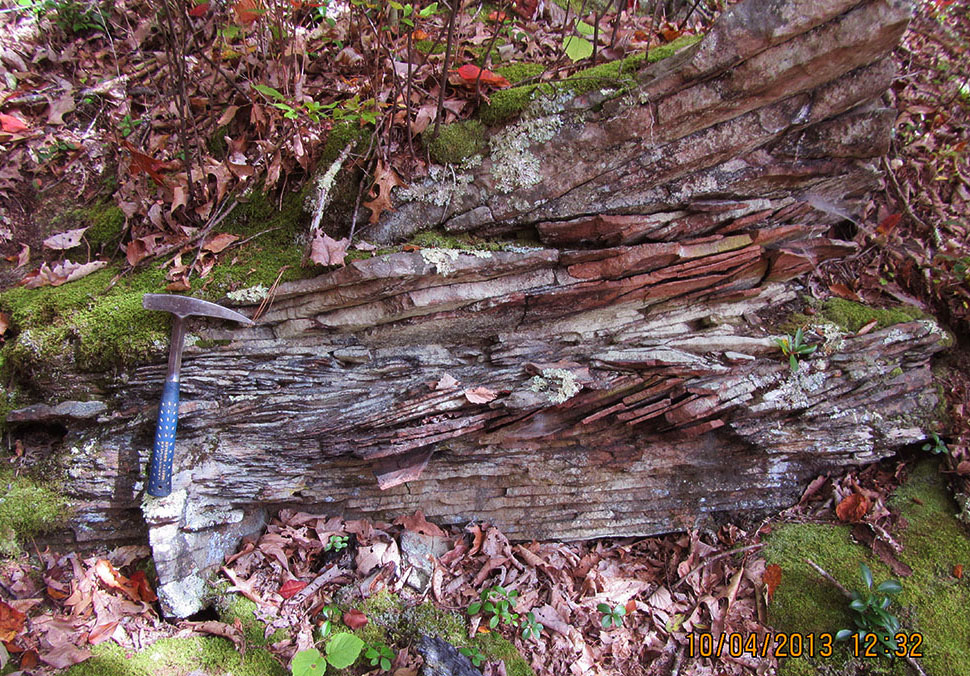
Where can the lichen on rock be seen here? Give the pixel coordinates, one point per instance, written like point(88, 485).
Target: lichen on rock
point(559, 385)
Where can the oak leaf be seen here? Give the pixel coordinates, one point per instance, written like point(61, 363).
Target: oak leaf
point(62, 273)
point(418, 524)
point(219, 242)
point(11, 622)
point(325, 250)
point(65, 240)
point(385, 179)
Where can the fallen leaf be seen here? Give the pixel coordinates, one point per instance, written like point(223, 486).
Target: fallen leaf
point(62, 273)
point(888, 223)
point(4, 322)
point(140, 583)
point(11, 622)
point(65, 240)
point(180, 284)
point(138, 249)
point(59, 108)
point(290, 588)
point(446, 382)
point(140, 162)
point(480, 395)
point(354, 619)
point(64, 655)
point(771, 578)
point(220, 242)
point(842, 291)
point(470, 75)
point(867, 328)
point(853, 507)
point(385, 179)
point(113, 579)
point(233, 632)
point(29, 660)
point(958, 571)
point(418, 524)
point(102, 632)
point(324, 250)
point(11, 124)
point(200, 10)
point(247, 11)
point(24, 256)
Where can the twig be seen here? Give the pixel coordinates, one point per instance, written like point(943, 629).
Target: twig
point(360, 192)
point(325, 184)
point(716, 557)
point(323, 578)
point(177, 61)
point(907, 208)
point(455, 6)
point(488, 51)
point(268, 300)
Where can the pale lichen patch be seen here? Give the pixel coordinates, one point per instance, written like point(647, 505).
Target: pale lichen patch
point(559, 385)
point(514, 165)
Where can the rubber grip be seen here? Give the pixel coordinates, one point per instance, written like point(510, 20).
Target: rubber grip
point(160, 465)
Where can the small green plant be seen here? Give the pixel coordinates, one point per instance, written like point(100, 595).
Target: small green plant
point(342, 650)
point(329, 615)
point(474, 654)
point(379, 655)
point(612, 617)
point(870, 611)
point(127, 125)
point(531, 628)
point(336, 543)
point(498, 602)
point(936, 445)
point(794, 347)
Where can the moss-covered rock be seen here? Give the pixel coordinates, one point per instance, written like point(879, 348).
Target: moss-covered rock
point(456, 141)
point(506, 104)
point(932, 602)
point(178, 657)
point(27, 508)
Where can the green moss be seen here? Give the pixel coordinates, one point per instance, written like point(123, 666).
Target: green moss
point(896, 372)
point(456, 141)
point(506, 104)
point(27, 508)
point(217, 143)
point(104, 221)
point(932, 601)
point(436, 239)
point(89, 323)
point(516, 72)
point(178, 657)
point(232, 607)
point(429, 47)
point(852, 316)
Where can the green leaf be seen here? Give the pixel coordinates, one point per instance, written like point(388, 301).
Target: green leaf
point(578, 49)
point(493, 622)
point(385, 664)
point(866, 575)
point(858, 605)
point(843, 634)
point(308, 663)
point(606, 621)
point(584, 28)
point(889, 587)
point(793, 362)
point(343, 650)
point(474, 608)
point(266, 90)
point(603, 608)
point(429, 10)
point(620, 610)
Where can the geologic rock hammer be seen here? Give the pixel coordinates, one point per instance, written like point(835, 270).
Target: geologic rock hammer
point(160, 466)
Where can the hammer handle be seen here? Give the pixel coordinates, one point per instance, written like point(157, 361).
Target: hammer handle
point(160, 466)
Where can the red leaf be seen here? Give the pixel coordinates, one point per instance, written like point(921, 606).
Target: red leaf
point(140, 583)
point(140, 162)
point(11, 124)
point(772, 578)
point(29, 660)
point(888, 223)
point(199, 10)
point(958, 571)
point(354, 618)
point(469, 73)
point(290, 588)
point(853, 507)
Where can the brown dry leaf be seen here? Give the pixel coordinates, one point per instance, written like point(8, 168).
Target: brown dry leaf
point(139, 582)
point(290, 588)
point(11, 622)
point(354, 619)
point(385, 179)
point(958, 571)
point(853, 507)
point(446, 382)
point(219, 242)
point(419, 524)
point(480, 395)
point(65, 240)
point(247, 11)
point(424, 117)
point(4, 322)
point(771, 578)
point(64, 655)
point(842, 291)
point(24, 256)
point(115, 580)
point(477, 537)
point(59, 108)
point(138, 249)
point(233, 632)
point(324, 250)
point(180, 284)
point(102, 632)
point(62, 273)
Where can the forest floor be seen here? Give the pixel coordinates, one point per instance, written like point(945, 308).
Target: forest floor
point(128, 136)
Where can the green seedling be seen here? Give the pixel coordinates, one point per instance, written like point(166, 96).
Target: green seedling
point(498, 602)
point(936, 445)
point(329, 615)
point(531, 628)
point(870, 611)
point(336, 543)
point(474, 654)
point(379, 655)
point(794, 347)
point(612, 617)
point(342, 650)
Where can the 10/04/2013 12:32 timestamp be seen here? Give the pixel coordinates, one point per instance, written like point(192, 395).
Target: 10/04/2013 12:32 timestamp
point(799, 645)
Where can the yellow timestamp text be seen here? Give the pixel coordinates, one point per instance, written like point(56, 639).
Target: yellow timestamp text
point(785, 645)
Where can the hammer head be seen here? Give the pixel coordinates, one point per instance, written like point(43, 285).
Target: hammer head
point(183, 306)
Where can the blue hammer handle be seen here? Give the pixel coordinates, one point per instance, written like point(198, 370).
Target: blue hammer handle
point(160, 465)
